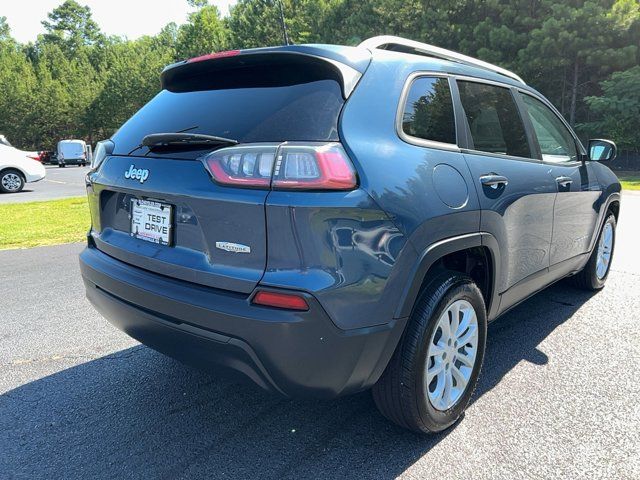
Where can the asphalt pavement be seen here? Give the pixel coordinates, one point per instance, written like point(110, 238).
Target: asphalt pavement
point(59, 183)
point(557, 398)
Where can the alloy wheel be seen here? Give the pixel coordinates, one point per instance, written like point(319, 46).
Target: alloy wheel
point(605, 248)
point(11, 182)
point(451, 355)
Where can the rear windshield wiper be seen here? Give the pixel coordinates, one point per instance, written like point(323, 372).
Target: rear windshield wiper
point(179, 139)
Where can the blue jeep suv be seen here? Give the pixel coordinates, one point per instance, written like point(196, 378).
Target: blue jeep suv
point(329, 219)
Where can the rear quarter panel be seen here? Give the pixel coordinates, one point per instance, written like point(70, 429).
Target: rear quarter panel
point(401, 178)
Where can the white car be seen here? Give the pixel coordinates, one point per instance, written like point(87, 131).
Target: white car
point(18, 167)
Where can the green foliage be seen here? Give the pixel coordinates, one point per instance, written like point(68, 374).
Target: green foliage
point(617, 109)
point(205, 32)
point(257, 23)
point(133, 79)
point(70, 26)
point(75, 81)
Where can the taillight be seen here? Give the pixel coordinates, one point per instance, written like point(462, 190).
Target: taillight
point(246, 166)
point(321, 167)
point(287, 166)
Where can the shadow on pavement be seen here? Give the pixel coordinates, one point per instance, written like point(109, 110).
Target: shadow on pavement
point(137, 414)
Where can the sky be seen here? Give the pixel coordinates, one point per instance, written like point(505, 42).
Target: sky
point(127, 18)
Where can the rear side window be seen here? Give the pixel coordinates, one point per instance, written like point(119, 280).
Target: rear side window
point(287, 108)
point(428, 111)
point(493, 118)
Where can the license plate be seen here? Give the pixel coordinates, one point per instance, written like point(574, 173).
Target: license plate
point(151, 221)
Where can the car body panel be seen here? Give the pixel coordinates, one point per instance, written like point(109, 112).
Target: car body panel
point(520, 215)
point(204, 213)
point(32, 170)
point(575, 211)
point(340, 247)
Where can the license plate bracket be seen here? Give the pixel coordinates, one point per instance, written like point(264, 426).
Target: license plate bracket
point(151, 221)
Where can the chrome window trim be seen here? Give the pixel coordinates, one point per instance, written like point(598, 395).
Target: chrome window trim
point(421, 142)
point(471, 151)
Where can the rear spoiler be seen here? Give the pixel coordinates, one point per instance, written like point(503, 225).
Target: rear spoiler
point(346, 64)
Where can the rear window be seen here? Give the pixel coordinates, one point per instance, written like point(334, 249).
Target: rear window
point(428, 111)
point(285, 109)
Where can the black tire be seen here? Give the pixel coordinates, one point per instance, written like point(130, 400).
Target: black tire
point(401, 392)
point(60, 165)
point(587, 278)
point(16, 176)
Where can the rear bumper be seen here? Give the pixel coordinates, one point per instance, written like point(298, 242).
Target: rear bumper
point(292, 353)
point(34, 172)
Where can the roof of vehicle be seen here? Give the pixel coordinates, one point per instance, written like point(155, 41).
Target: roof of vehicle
point(354, 57)
point(384, 48)
point(403, 45)
point(71, 141)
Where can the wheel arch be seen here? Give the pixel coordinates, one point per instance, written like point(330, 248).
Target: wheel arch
point(614, 206)
point(17, 169)
point(610, 204)
point(474, 254)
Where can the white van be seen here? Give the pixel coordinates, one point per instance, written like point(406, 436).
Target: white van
point(72, 152)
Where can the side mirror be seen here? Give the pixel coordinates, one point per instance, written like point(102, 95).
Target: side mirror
point(602, 150)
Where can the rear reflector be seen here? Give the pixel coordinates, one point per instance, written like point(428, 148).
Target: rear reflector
point(323, 166)
point(280, 300)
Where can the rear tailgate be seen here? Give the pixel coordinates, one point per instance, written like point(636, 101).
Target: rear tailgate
point(202, 212)
point(217, 234)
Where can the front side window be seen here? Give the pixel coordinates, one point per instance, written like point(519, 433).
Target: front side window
point(556, 142)
point(493, 118)
point(428, 111)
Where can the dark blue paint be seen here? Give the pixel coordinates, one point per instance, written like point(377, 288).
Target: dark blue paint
point(359, 257)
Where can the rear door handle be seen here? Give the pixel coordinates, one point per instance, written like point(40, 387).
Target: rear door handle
point(564, 181)
point(494, 181)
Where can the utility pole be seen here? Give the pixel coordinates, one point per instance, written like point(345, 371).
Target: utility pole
point(284, 25)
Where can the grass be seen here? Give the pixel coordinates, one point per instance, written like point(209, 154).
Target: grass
point(630, 181)
point(24, 225)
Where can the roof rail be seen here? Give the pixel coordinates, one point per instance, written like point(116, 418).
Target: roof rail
point(385, 41)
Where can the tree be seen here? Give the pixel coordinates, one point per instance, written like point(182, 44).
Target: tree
point(133, 79)
point(617, 110)
point(205, 32)
point(5, 31)
point(75, 81)
point(70, 26)
point(257, 23)
point(579, 43)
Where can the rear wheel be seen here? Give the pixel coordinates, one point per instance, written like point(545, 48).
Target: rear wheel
point(434, 370)
point(11, 181)
point(594, 274)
